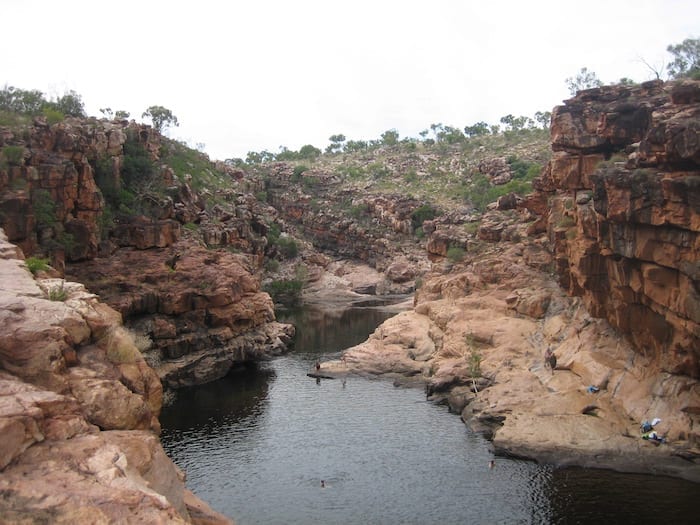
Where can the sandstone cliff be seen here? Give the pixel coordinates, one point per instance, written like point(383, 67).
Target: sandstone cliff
point(614, 221)
point(99, 200)
point(623, 192)
point(78, 411)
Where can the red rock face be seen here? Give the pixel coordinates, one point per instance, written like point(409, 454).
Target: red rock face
point(52, 198)
point(624, 215)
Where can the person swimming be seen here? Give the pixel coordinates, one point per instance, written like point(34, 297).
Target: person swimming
point(323, 484)
point(492, 464)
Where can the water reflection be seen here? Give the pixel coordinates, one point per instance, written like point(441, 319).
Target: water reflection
point(325, 331)
point(257, 444)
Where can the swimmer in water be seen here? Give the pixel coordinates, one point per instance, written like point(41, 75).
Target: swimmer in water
point(492, 464)
point(323, 484)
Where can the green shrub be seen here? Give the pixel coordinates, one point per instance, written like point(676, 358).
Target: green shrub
point(14, 155)
point(285, 291)
point(288, 247)
point(298, 170)
point(44, 208)
point(424, 213)
point(456, 254)
point(58, 293)
point(272, 265)
point(566, 222)
point(35, 264)
point(472, 227)
point(53, 116)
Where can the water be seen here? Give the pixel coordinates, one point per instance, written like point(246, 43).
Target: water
point(257, 444)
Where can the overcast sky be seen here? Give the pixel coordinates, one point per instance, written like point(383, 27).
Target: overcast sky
point(260, 74)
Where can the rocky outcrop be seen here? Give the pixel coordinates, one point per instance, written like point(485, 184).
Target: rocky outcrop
point(624, 214)
point(339, 221)
point(475, 339)
point(197, 311)
point(78, 411)
point(50, 200)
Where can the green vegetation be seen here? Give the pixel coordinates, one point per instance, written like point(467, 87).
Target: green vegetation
point(36, 264)
point(13, 155)
point(44, 208)
point(285, 291)
point(161, 118)
point(584, 79)
point(425, 213)
point(456, 254)
point(686, 59)
point(58, 293)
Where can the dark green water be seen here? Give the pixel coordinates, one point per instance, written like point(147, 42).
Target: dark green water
point(257, 444)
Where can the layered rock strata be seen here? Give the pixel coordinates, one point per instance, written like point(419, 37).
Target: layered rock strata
point(198, 311)
point(619, 208)
point(475, 339)
point(623, 190)
point(79, 411)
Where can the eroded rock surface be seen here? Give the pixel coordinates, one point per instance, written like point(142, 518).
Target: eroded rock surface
point(78, 411)
point(615, 221)
point(197, 311)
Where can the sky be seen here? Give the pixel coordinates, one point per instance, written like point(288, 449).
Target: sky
point(259, 75)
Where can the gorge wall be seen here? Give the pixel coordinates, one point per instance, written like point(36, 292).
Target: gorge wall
point(79, 412)
point(620, 201)
point(198, 310)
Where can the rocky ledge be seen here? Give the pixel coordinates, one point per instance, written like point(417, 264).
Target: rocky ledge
point(79, 412)
point(475, 339)
point(197, 311)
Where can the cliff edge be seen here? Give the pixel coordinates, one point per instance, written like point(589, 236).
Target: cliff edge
point(79, 411)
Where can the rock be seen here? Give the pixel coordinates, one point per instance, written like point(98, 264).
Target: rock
point(198, 318)
point(71, 375)
point(627, 244)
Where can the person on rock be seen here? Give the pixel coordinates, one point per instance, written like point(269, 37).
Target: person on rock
point(550, 360)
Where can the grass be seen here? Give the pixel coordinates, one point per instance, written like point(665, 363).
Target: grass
point(58, 293)
point(36, 264)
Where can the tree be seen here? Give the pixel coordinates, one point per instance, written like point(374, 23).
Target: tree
point(390, 137)
point(336, 143)
point(160, 117)
point(70, 104)
point(583, 80)
point(450, 135)
point(355, 145)
point(120, 114)
point(24, 101)
point(543, 118)
point(686, 59)
point(477, 129)
point(515, 123)
point(309, 152)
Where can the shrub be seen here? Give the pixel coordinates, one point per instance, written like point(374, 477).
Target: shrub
point(456, 254)
point(53, 116)
point(120, 347)
point(288, 247)
point(272, 265)
point(14, 155)
point(58, 293)
point(424, 213)
point(285, 291)
point(44, 208)
point(298, 170)
point(35, 264)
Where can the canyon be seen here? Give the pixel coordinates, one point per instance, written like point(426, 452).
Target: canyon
point(599, 263)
